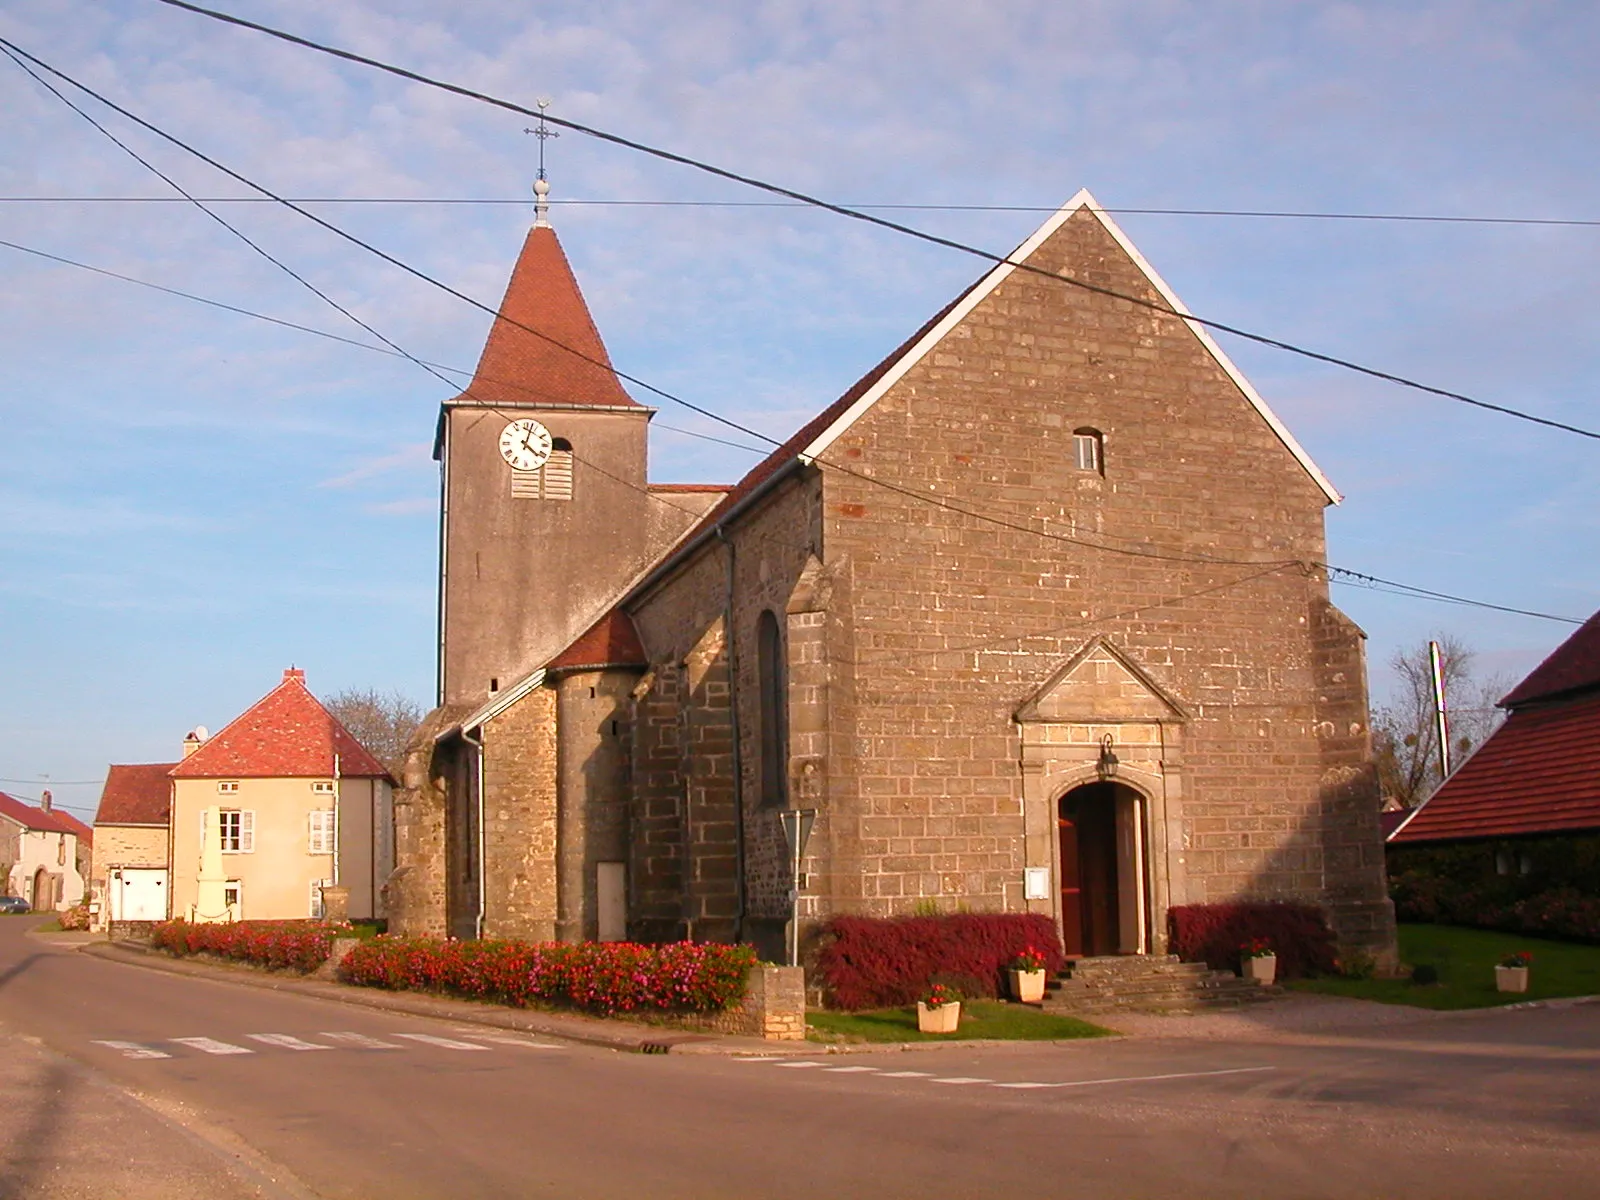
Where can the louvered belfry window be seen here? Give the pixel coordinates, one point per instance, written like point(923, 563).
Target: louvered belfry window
point(553, 481)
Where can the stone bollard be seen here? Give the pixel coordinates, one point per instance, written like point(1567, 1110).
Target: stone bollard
point(774, 1007)
point(335, 903)
point(336, 955)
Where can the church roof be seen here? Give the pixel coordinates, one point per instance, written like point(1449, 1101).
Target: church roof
point(565, 362)
point(286, 734)
point(136, 794)
point(1572, 666)
point(612, 641)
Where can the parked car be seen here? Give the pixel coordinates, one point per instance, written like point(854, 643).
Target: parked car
point(14, 904)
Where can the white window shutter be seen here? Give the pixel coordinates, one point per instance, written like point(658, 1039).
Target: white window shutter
point(247, 831)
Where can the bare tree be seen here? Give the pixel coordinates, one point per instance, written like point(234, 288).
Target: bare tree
point(382, 723)
point(1404, 736)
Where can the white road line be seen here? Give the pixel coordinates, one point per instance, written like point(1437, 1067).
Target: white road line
point(1080, 1083)
point(361, 1041)
point(1026, 1085)
point(763, 1059)
point(443, 1043)
point(908, 1074)
point(961, 1079)
point(795, 1066)
point(852, 1070)
point(514, 1041)
point(285, 1041)
point(211, 1045)
point(135, 1050)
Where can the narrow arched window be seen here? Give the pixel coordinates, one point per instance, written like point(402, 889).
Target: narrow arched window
point(1089, 450)
point(773, 686)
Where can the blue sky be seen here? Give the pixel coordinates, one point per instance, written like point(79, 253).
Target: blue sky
point(191, 500)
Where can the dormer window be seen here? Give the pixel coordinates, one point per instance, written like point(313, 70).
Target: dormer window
point(1088, 450)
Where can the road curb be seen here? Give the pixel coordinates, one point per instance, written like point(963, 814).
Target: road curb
point(631, 1041)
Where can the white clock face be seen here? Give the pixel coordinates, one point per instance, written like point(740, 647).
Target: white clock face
point(525, 444)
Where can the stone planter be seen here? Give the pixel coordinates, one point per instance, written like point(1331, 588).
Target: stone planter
point(1511, 979)
point(1027, 986)
point(943, 1019)
point(1263, 968)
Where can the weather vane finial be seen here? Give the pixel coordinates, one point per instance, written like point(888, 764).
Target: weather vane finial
point(541, 185)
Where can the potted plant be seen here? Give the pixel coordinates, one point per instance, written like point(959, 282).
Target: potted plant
point(1512, 973)
point(1027, 975)
point(1259, 960)
point(939, 1010)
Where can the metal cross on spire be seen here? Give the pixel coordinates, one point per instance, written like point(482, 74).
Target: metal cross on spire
point(541, 185)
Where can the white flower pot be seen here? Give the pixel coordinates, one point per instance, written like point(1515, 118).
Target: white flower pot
point(943, 1019)
point(1027, 986)
point(1511, 979)
point(1263, 969)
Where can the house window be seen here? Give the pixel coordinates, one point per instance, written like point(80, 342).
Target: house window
point(772, 686)
point(1088, 450)
point(321, 831)
point(552, 481)
point(227, 785)
point(318, 907)
point(238, 831)
point(323, 787)
point(61, 850)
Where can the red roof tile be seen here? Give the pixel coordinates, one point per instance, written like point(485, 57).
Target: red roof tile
point(611, 641)
point(136, 794)
point(563, 365)
point(1572, 666)
point(54, 821)
point(285, 734)
point(1538, 773)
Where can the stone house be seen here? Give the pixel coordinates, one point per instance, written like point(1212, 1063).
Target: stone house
point(44, 867)
point(1031, 618)
point(129, 879)
point(277, 805)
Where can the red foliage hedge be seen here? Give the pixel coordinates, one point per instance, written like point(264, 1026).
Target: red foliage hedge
point(598, 977)
point(296, 945)
point(1213, 933)
point(875, 962)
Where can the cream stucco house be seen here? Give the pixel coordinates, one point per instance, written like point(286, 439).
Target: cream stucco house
point(43, 852)
point(277, 805)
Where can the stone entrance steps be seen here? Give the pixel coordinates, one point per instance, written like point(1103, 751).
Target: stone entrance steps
point(1147, 983)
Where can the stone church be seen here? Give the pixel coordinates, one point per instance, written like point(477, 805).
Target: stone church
point(1031, 618)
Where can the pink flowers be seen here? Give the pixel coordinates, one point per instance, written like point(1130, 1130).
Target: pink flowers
point(600, 977)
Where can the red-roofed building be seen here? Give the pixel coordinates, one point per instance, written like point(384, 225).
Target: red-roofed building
point(129, 877)
point(43, 851)
point(291, 802)
point(1022, 616)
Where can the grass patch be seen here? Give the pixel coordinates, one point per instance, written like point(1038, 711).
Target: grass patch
point(979, 1019)
point(1465, 960)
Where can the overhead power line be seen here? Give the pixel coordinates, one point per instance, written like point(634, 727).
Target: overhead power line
point(921, 496)
point(584, 202)
point(857, 214)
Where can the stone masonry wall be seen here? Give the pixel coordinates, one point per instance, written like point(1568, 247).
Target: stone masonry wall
point(519, 820)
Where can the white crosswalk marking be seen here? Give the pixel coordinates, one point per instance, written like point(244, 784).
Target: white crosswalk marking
point(961, 1079)
point(798, 1065)
point(908, 1074)
point(286, 1041)
point(361, 1041)
point(514, 1041)
point(1027, 1085)
point(443, 1043)
point(852, 1070)
point(211, 1045)
point(135, 1050)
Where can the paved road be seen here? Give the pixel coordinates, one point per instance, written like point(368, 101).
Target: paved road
point(222, 1090)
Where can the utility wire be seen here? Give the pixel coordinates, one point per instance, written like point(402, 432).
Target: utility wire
point(686, 403)
point(858, 215)
point(582, 202)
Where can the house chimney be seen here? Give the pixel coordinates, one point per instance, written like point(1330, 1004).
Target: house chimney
point(44, 801)
point(293, 673)
point(194, 739)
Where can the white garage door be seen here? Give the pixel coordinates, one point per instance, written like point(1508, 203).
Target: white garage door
point(139, 894)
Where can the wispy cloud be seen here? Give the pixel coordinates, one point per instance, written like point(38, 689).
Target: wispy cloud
point(415, 454)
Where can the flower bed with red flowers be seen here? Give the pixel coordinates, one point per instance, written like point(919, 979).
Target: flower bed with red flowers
point(607, 978)
point(290, 945)
point(887, 962)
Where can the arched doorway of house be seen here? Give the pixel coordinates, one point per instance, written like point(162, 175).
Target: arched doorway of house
point(1102, 869)
point(43, 899)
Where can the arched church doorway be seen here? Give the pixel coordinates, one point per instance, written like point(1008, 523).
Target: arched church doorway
point(1102, 870)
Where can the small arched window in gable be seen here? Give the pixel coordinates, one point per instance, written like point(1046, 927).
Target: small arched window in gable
point(1089, 450)
point(552, 481)
point(772, 683)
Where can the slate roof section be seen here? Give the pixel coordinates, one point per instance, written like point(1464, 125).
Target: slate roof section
point(286, 734)
point(136, 794)
point(1572, 667)
point(1538, 773)
point(562, 367)
point(54, 821)
point(612, 641)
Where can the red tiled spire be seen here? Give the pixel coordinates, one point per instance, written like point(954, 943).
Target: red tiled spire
point(560, 367)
